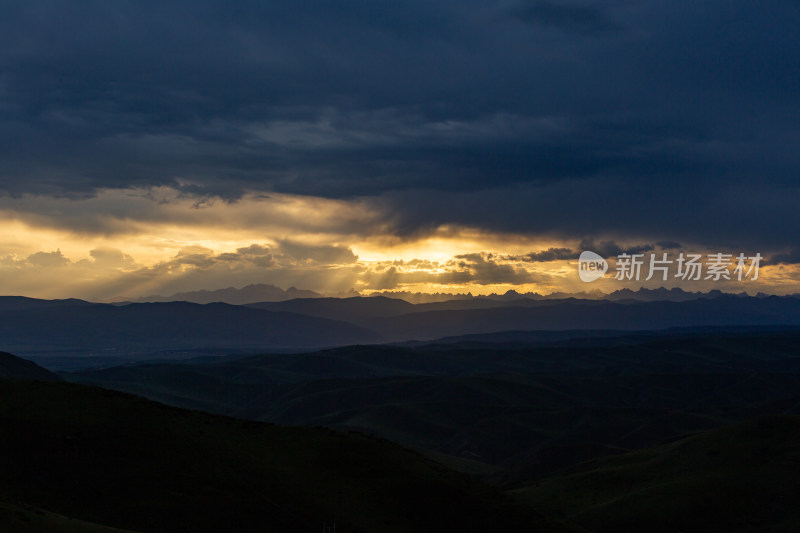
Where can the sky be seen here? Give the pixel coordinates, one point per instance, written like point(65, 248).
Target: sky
point(449, 146)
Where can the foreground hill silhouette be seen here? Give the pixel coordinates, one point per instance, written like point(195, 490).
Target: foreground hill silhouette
point(744, 478)
point(76, 458)
point(12, 366)
point(29, 519)
point(513, 411)
point(113, 459)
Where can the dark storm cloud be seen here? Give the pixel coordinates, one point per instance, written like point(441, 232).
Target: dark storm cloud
point(604, 248)
point(611, 249)
point(655, 120)
point(787, 258)
point(551, 254)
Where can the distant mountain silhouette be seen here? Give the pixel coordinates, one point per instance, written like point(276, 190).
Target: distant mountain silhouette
point(37, 328)
point(568, 314)
point(231, 295)
point(14, 303)
point(661, 294)
point(364, 309)
point(260, 293)
point(104, 329)
point(675, 294)
point(350, 309)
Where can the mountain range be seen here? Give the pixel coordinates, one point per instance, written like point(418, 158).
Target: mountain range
point(571, 422)
point(692, 429)
point(82, 459)
point(517, 410)
point(70, 333)
point(270, 293)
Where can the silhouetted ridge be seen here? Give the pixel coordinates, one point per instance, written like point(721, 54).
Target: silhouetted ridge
point(15, 367)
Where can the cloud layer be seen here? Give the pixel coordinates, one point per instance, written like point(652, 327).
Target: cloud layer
point(626, 122)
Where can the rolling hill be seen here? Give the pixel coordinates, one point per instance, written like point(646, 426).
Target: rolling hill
point(15, 367)
point(574, 314)
point(116, 460)
point(744, 478)
point(135, 329)
point(520, 411)
point(64, 334)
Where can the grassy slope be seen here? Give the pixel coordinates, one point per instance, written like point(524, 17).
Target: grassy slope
point(114, 459)
point(523, 412)
point(12, 366)
point(740, 478)
point(27, 519)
